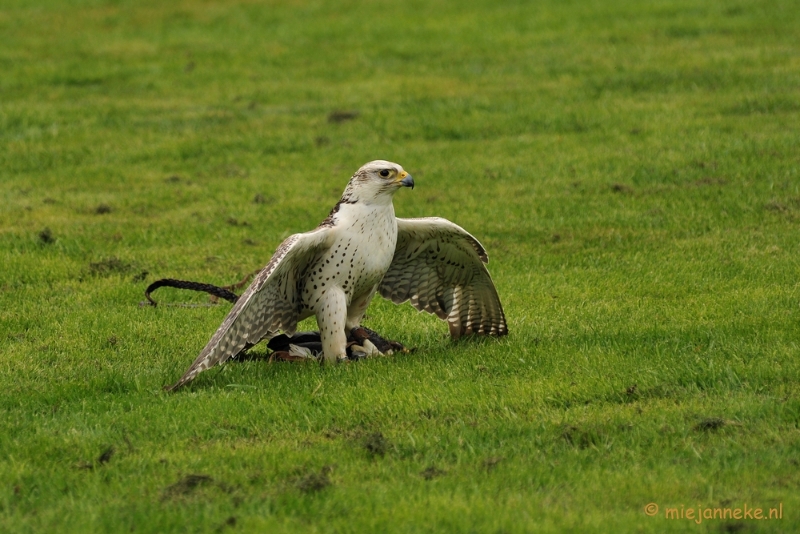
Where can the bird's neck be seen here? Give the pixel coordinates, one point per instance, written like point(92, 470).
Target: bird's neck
point(357, 211)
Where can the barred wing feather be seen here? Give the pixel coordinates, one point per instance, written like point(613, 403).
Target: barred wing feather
point(271, 304)
point(439, 267)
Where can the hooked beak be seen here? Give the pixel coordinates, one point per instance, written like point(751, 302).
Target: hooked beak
point(407, 181)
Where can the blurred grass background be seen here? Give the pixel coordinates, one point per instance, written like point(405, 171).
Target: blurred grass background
point(631, 167)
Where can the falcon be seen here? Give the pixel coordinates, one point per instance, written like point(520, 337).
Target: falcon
point(361, 248)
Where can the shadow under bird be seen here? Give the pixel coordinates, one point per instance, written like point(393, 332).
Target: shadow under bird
point(361, 248)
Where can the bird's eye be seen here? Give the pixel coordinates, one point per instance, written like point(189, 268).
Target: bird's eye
point(385, 173)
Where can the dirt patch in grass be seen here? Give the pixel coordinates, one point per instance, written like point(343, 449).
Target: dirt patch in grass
point(230, 522)
point(314, 481)
point(732, 527)
point(188, 485)
point(376, 444)
point(710, 424)
point(106, 455)
point(342, 115)
point(491, 462)
point(261, 199)
point(46, 236)
point(581, 437)
point(104, 458)
point(622, 189)
point(431, 472)
point(108, 266)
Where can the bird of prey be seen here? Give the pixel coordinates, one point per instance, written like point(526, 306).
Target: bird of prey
point(361, 248)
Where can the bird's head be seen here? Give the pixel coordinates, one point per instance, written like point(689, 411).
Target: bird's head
point(376, 182)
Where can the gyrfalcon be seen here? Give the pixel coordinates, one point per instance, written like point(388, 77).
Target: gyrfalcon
point(333, 271)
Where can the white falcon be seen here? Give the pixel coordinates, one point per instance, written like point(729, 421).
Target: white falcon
point(333, 271)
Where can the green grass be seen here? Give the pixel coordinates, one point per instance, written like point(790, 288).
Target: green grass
point(631, 167)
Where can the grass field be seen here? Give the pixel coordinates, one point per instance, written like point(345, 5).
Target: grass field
point(631, 167)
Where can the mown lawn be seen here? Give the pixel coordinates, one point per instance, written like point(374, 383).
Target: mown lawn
point(631, 167)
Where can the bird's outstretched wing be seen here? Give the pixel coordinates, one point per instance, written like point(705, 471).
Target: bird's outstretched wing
point(269, 305)
point(439, 267)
